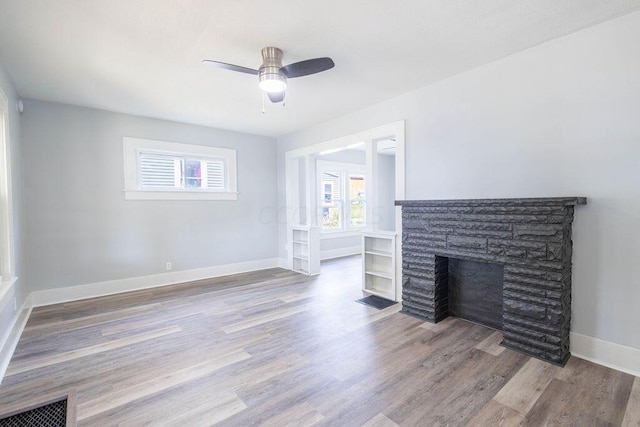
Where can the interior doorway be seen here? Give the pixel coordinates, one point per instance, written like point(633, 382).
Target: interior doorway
point(339, 190)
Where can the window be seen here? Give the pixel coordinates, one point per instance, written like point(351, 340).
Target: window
point(159, 171)
point(332, 200)
point(171, 171)
point(356, 201)
point(342, 196)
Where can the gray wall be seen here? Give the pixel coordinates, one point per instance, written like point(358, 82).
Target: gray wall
point(19, 291)
point(560, 119)
point(82, 230)
point(385, 211)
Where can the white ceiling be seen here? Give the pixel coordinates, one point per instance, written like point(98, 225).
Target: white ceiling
point(143, 56)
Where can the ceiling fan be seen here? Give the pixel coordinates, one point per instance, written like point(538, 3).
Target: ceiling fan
point(272, 75)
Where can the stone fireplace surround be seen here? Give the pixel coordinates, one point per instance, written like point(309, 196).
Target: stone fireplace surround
point(530, 237)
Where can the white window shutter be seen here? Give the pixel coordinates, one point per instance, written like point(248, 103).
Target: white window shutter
point(337, 188)
point(336, 185)
point(215, 172)
point(159, 170)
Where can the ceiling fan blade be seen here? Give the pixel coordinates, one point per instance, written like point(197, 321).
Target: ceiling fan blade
point(276, 96)
point(310, 66)
point(231, 67)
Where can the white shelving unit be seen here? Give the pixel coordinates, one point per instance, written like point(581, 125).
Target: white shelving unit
point(379, 264)
point(304, 250)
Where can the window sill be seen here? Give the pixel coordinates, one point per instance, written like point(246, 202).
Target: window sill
point(178, 195)
point(340, 234)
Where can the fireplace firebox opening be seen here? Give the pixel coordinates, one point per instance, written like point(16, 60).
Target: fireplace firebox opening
point(473, 290)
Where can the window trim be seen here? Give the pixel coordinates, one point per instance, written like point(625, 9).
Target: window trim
point(132, 191)
point(7, 259)
point(346, 169)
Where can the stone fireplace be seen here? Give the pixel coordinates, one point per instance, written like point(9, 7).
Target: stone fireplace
point(526, 243)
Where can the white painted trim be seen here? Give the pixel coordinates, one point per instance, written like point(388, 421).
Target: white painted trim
point(179, 195)
point(312, 216)
point(340, 252)
point(93, 290)
point(5, 287)
point(10, 340)
point(7, 260)
point(400, 195)
point(606, 353)
point(131, 147)
point(387, 130)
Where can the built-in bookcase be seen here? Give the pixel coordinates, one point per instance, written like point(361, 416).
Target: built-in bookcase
point(304, 250)
point(379, 264)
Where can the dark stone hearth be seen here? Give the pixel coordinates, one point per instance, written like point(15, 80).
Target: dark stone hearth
point(530, 238)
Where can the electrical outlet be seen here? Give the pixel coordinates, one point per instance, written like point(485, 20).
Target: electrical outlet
point(169, 266)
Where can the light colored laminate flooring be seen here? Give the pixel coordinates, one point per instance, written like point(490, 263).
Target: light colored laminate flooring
point(277, 348)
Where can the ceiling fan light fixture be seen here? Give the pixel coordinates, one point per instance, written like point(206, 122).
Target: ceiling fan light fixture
point(272, 75)
point(272, 82)
point(270, 78)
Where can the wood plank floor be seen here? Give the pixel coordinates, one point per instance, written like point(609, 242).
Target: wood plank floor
point(277, 348)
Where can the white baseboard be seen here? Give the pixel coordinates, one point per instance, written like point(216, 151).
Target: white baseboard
point(283, 263)
point(10, 340)
point(606, 353)
point(99, 289)
point(340, 252)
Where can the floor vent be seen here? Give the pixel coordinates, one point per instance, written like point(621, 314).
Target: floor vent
point(376, 302)
point(56, 412)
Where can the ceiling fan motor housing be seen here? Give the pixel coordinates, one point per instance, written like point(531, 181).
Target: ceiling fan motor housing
point(270, 77)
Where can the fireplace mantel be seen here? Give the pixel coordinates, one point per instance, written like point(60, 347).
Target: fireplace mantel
point(532, 201)
point(530, 237)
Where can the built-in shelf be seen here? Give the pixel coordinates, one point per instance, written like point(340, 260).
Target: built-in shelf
point(304, 250)
point(379, 253)
point(379, 264)
point(385, 274)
